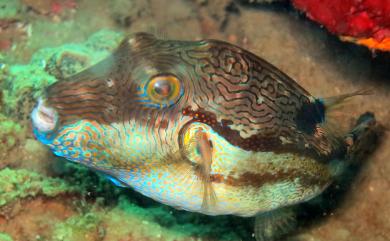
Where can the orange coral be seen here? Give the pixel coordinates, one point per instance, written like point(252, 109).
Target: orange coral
point(372, 43)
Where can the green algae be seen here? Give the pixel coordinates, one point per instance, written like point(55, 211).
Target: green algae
point(128, 220)
point(68, 59)
point(162, 222)
point(50, 64)
point(10, 132)
point(21, 80)
point(20, 183)
point(9, 9)
point(5, 237)
point(89, 183)
point(78, 228)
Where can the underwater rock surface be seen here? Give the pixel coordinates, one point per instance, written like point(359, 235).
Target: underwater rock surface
point(43, 198)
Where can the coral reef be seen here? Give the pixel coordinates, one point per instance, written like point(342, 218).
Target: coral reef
point(22, 84)
point(12, 29)
point(10, 133)
point(19, 184)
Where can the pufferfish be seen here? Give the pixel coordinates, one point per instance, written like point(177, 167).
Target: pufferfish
point(203, 126)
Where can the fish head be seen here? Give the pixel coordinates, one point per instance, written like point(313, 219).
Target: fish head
point(130, 107)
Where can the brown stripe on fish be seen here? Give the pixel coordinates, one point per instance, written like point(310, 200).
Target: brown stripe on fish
point(89, 98)
point(257, 143)
point(260, 179)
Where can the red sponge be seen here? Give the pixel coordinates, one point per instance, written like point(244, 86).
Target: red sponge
point(362, 21)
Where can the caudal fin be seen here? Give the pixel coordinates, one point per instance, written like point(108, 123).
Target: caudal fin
point(363, 138)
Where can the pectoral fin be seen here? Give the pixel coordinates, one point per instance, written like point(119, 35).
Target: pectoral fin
point(115, 181)
point(205, 149)
point(200, 154)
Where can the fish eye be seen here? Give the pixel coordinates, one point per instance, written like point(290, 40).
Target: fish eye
point(163, 89)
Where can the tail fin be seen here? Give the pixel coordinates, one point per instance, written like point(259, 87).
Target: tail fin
point(318, 118)
point(359, 142)
point(363, 138)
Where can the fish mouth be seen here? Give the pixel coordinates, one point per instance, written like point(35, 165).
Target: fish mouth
point(44, 118)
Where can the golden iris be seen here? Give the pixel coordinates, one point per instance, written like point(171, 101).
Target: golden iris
point(163, 89)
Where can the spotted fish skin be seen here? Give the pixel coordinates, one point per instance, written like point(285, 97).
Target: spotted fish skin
point(269, 149)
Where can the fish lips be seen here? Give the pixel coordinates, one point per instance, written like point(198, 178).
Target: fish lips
point(44, 118)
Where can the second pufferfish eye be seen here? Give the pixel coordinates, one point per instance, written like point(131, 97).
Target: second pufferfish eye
point(163, 89)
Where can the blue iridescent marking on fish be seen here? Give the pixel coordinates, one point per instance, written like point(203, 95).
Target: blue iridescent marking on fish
point(115, 181)
point(45, 138)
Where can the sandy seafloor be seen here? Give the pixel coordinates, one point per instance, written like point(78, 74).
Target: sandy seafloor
point(42, 198)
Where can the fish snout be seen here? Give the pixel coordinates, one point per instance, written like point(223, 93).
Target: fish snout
point(44, 118)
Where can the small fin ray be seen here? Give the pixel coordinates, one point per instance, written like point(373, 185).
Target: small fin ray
point(331, 102)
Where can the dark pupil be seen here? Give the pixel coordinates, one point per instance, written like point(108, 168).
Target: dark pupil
point(162, 88)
